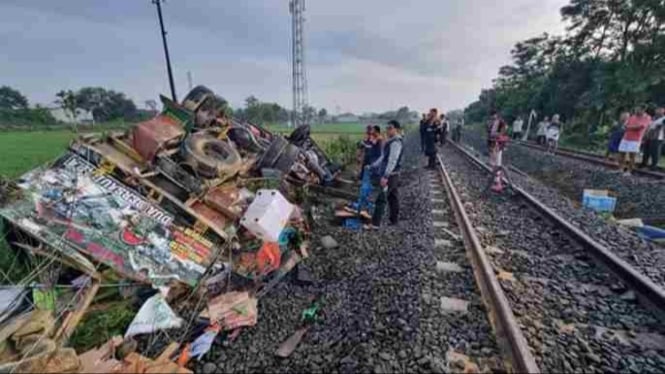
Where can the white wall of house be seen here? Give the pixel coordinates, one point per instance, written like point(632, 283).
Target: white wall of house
point(82, 116)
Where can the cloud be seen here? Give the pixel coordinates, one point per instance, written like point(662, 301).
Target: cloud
point(369, 55)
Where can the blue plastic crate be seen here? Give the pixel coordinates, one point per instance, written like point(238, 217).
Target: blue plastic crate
point(599, 203)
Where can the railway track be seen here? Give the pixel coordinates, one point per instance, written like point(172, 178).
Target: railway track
point(576, 306)
point(659, 173)
point(504, 322)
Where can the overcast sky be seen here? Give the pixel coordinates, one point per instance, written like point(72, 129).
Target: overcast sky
point(362, 55)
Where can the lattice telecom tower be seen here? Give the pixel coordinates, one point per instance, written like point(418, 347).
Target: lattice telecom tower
point(297, 8)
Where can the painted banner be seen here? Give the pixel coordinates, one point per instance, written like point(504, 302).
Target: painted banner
point(72, 203)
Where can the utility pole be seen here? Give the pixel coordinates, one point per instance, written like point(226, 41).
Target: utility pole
point(166, 48)
point(297, 9)
point(189, 79)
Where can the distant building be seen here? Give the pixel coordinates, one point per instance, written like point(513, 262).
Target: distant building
point(82, 116)
point(347, 118)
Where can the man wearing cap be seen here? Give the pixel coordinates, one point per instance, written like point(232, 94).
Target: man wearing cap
point(389, 166)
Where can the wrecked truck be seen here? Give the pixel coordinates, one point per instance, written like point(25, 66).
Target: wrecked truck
point(175, 202)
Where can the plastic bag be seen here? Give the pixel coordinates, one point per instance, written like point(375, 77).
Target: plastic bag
point(154, 315)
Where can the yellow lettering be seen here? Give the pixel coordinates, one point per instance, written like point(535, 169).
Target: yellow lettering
point(105, 167)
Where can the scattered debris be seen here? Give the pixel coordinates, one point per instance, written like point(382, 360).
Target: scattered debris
point(452, 234)
point(448, 267)
point(443, 243)
point(192, 203)
point(154, 315)
point(203, 343)
point(631, 222)
point(599, 200)
point(328, 242)
point(628, 296)
point(505, 276)
point(650, 233)
point(457, 362)
point(309, 316)
point(233, 310)
point(267, 215)
point(291, 343)
point(452, 305)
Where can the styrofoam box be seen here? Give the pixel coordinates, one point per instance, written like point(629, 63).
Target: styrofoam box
point(267, 215)
point(598, 200)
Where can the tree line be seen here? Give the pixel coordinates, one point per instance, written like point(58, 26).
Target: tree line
point(104, 106)
point(108, 105)
point(264, 112)
point(611, 58)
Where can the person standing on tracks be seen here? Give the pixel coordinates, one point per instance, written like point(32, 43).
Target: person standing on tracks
point(632, 138)
point(423, 127)
point(388, 166)
point(553, 133)
point(655, 136)
point(457, 132)
point(430, 131)
point(615, 137)
point(496, 139)
point(445, 127)
point(517, 128)
point(492, 127)
point(541, 133)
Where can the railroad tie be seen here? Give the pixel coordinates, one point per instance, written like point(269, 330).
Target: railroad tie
point(439, 224)
point(438, 212)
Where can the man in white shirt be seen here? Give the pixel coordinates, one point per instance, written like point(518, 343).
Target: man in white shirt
point(542, 131)
point(654, 138)
point(517, 128)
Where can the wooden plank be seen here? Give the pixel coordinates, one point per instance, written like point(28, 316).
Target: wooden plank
point(219, 231)
point(67, 328)
point(168, 352)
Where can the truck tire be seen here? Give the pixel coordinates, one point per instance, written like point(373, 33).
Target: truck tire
point(211, 157)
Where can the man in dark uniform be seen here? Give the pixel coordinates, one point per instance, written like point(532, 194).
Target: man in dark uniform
point(430, 133)
point(389, 165)
point(444, 128)
point(423, 127)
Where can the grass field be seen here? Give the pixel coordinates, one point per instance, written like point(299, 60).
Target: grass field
point(324, 128)
point(21, 151)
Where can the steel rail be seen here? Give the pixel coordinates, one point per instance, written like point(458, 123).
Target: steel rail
point(640, 283)
point(501, 315)
point(593, 158)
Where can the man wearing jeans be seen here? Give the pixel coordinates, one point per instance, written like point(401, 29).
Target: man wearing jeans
point(389, 166)
point(654, 140)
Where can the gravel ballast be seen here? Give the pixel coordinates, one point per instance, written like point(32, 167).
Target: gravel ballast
point(575, 315)
point(381, 298)
point(646, 257)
